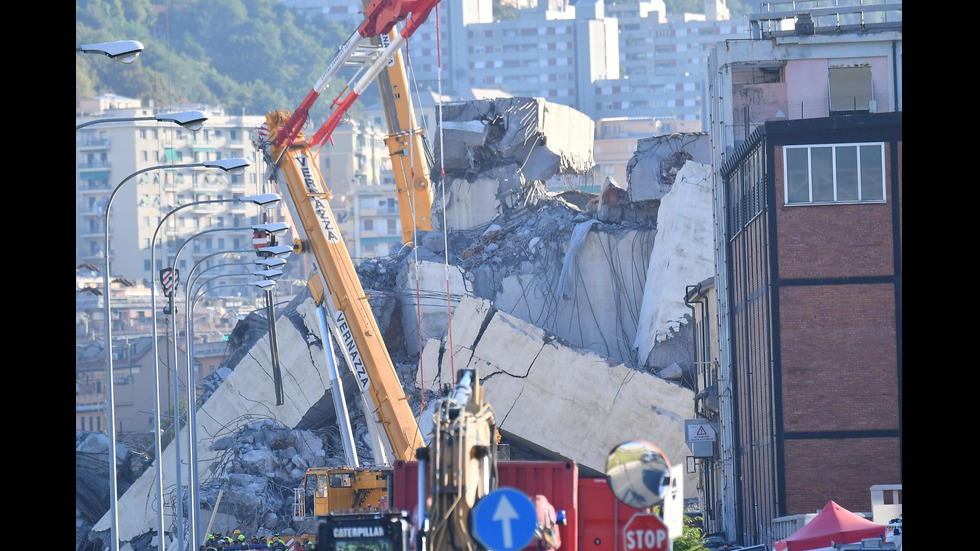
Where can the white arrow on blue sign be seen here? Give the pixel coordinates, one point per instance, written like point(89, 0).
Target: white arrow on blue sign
point(504, 520)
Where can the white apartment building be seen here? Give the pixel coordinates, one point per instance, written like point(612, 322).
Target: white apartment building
point(604, 58)
point(664, 59)
point(144, 161)
point(357, 170)
point(355, 166)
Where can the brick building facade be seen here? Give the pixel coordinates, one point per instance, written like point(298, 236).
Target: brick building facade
point(816, 314)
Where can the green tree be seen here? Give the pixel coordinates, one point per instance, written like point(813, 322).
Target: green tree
point(502, 12)
point(692, 537)
point(244, 55)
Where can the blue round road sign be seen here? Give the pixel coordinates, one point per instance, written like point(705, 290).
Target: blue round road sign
point(504, 520)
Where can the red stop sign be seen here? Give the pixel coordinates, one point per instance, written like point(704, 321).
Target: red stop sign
point(645, 532)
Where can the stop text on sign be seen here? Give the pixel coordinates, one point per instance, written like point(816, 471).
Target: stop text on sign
point(646, 539)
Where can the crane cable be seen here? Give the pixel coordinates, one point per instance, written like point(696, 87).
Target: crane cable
point(442, 173)
point(445, 230)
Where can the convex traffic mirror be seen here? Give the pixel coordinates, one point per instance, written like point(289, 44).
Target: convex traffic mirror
point(638, 474)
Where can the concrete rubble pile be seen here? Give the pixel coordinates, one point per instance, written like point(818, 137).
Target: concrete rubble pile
point(550, 301)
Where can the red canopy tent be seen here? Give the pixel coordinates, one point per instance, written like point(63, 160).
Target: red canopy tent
point(833, 524)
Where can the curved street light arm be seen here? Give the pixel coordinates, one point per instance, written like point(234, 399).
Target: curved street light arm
point(271, 227)
point(268, 274)
point(191, 120)
point(206, 257)
point(278, 226)
point(271, 263)
point(123, 51)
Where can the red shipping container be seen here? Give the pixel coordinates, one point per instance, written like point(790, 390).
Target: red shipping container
point(595, 518)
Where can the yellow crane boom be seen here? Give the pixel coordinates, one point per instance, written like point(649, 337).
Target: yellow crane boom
point(309, 201)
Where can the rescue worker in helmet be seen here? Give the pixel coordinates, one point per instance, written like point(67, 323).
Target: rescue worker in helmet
point(276, 544)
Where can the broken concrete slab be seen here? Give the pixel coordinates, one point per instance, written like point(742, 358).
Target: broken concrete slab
point(430, 278)
point(686, 215)
point(597, 276)
point(474, 202)
point(532, 266)
point(559, 397)
point(543, 138)
point(247, 395)
point(651, 170)
point(615, 206)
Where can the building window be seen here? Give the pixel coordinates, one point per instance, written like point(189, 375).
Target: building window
point(850, 90)
point(842, 173)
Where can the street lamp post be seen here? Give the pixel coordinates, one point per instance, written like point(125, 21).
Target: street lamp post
point(268, 285)
point(276, 227)
point(261, 200)
point(123, 51)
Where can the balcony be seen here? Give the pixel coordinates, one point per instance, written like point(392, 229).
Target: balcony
point(94, 186)
point(85, 408)
point(750, 116)
point(95, 207)
point(92, 142)
point(824, 17)
point(94, 165)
